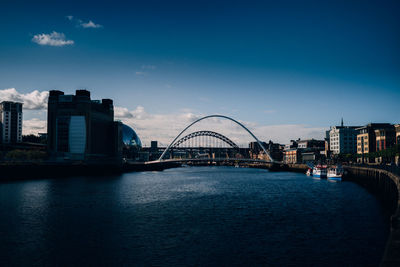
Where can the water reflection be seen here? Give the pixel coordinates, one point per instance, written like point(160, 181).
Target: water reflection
point(190, 216)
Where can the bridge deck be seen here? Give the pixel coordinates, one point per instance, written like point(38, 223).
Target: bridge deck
point(214, 160)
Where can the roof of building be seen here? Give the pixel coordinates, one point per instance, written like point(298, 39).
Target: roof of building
point(345, 127)
point(308, 140)
point(375, 125)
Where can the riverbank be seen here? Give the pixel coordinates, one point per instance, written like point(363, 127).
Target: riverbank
point(387, 186)
point(36, 170)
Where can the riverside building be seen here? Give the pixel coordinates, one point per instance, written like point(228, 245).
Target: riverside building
point(11, 122)
point(343, 139)
point(385, 137)
point(79, 128)
point(366, 140)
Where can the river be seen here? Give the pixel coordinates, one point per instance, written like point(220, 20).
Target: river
point(197, 216)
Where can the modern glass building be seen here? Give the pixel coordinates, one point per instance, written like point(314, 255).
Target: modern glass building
point(129, 137)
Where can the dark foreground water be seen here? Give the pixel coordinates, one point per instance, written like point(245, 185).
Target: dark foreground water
point(217, 216)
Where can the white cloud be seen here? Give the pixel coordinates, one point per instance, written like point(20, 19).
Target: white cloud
point(81, 23)
point(141, 73)
point(34, 126)
point(52, 39)
point(90, 24)
point(120, 112)
point(32, 100)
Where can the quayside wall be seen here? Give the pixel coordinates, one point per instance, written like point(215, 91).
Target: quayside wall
point(387, 185)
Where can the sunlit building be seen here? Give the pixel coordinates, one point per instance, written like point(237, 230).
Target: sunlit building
point(366, 140)
point(343, 139)
point(292, 156)
point(385, 137)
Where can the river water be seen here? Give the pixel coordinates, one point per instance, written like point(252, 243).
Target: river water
point(196, 216)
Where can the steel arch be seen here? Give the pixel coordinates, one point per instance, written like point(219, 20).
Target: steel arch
point(216, 116)
point(205, 133)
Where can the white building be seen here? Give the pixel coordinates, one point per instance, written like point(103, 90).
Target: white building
point(11, 122)
point(343, 139)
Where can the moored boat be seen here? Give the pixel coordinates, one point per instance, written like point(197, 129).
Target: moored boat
point(319, 171)
point(335, 173)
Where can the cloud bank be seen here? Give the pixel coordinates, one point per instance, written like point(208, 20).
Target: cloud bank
point(34, 126)
point(51, 39)
point(165, 127)
point(32, 101)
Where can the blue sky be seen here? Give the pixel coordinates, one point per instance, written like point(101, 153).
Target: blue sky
point(267, 63)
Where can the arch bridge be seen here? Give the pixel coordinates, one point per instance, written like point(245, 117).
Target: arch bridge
point(177, 142)
point(210, 134)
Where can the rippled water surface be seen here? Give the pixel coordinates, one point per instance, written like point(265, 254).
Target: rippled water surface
point(217, 216)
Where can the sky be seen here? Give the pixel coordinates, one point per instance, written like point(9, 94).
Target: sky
point(285, 69)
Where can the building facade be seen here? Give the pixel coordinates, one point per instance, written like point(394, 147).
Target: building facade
point(292, 144)
point(311, 143)
point(274, 149)
point(397, 127)
point(327, 144)
point(292, 156)
point(385, 138)
point(11, 122)
point(343, 139)
point(366, 140)
point(81, 128)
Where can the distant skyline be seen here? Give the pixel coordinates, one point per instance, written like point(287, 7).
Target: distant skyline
point(287, 70)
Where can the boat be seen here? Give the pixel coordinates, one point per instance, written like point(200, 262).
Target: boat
point(335, 173)
point(319, 171)
point(309, 172)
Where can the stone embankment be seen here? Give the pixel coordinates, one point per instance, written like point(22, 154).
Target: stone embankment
point(387, 185)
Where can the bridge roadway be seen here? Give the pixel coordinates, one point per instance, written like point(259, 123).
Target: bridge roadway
point(211, 160)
